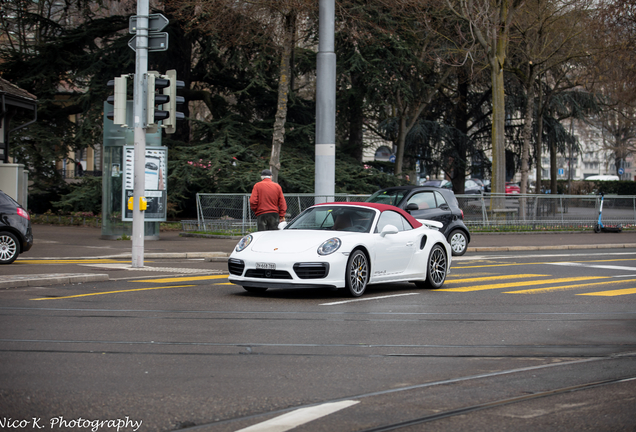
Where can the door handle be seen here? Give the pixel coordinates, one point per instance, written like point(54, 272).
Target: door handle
point(409, 243)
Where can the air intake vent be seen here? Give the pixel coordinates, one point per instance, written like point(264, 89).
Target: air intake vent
point(311, 270)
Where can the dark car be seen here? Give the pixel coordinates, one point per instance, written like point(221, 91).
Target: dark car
point(16, 236)
point(438, 183)
point(473, 186)
point(433, 203)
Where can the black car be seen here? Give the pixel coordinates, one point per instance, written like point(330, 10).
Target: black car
point(433, 203)
point(16, 236)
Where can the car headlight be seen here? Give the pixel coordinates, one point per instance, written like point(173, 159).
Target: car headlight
point(329, 246)
point(243, 243)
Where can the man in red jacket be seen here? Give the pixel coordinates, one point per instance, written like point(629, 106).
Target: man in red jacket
point(268, 203)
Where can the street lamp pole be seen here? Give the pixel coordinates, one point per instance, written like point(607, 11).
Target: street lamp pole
point(139, 124)
point(325, 170)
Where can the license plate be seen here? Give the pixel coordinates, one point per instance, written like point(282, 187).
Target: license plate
point(266, 266)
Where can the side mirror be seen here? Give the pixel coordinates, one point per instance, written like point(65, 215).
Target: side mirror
point(282, 225)
point(389, 229)
point(412, 206)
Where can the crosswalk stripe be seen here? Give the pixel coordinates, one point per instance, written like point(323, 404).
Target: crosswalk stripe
point(587, 265)
point(519, 284)
point(490, 278)
point(182, 279)
point(568, 287)
point(298, 417)
point(112, 292)
point(70, 261)
point(612, 293)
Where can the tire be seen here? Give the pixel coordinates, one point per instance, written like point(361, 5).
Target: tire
point(597, 228)
point(436, 269)
point(254, 290)
point(458, 242)
point(357, 274)
point(9, 248)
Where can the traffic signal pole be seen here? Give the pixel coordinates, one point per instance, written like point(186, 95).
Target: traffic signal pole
point(139, 125)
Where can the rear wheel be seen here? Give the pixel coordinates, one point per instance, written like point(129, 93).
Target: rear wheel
point(458, 242)
point(9, 248)
point(357, 274)
point(436, 269)
point(255, 290)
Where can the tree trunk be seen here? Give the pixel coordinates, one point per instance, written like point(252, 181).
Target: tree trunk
point(498, 128)
point(527, 138)
point(278, 137)
point(461, 124)
point(539, 141)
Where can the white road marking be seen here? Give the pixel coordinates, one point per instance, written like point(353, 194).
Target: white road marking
point(298, 417)
point(588, 265)
point(367, 298)
point(542, 255)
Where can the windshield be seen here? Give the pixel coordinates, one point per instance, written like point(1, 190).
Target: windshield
point(336, 218)
point(390, 197)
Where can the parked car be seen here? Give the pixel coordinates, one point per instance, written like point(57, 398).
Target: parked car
point(432, 203)
point(342, 245)
point(16, 236)
point(473, 186)
point(512, 188)
point(439, 183)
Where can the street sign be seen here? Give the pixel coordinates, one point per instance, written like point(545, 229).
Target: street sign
point(156, 42)
point(621, 171)
point(392, 158)
point(156, 23)
point(561, 171)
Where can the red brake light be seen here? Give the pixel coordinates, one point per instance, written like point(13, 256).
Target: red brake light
point(22, 212)
point(462, 213)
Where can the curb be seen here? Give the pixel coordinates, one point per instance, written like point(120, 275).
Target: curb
point(52, 279)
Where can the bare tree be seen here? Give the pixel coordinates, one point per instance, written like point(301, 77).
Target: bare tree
point(490, 22)
point(546, 34)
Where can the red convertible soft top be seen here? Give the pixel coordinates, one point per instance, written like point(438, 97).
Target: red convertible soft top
point(381, 207)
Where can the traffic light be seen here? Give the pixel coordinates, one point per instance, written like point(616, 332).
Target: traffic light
point(170, 123)
point(156, 82)
point(118, 100)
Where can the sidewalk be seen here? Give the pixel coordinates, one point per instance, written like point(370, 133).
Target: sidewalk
point(79, 245)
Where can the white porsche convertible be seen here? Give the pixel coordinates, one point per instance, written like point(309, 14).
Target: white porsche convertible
point(343, 245)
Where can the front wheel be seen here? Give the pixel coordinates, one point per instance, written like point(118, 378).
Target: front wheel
point(597, 228)
point(9, 248)
point(357, 274)
point(458, 242)
point(436, 269)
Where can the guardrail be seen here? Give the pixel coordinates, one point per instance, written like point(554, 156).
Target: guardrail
point(230, 214)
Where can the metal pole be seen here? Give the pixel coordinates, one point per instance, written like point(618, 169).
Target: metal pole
point(326, 103)
point(139, 123)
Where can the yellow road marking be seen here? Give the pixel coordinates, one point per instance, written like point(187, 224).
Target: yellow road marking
point(112, 292)
point(537, 263)
point(182, 279)
point(526, 283)
point(483, 279)
point(567, 287)
point(612, 293)
point(71, 261)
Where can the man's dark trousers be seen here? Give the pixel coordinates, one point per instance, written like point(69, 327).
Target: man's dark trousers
point(267, 221)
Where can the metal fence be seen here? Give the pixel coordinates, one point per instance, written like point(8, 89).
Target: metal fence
point(230, 214)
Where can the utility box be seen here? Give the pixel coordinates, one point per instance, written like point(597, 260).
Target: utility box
point(14, 181)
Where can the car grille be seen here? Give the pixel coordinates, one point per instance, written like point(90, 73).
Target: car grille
point(235, 266)
point(268, 274)
point(311, 270)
